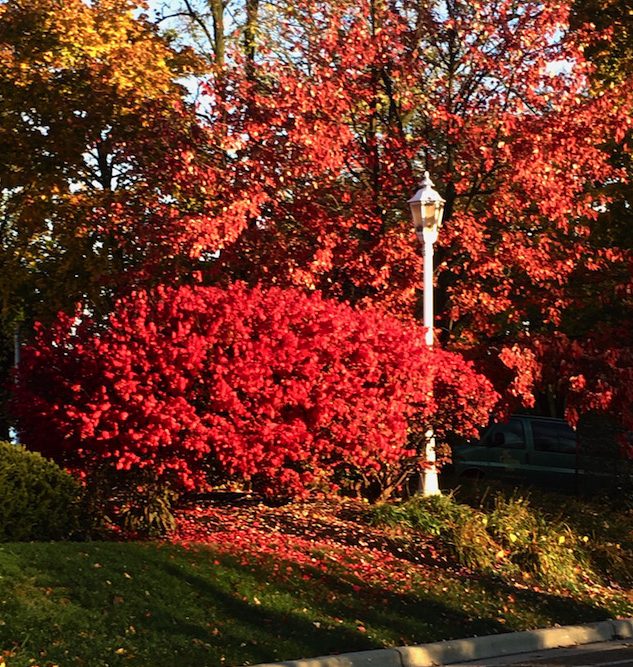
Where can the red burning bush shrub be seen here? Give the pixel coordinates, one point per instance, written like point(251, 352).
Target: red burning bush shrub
point(283, 390)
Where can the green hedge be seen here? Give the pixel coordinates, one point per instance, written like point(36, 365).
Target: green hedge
point(39, 500)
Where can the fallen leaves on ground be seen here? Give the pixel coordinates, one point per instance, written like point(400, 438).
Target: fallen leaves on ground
point(312, 539)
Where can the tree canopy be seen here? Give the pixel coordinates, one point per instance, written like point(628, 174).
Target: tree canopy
point(90, 94)
point(335, 109)
point(312, 124)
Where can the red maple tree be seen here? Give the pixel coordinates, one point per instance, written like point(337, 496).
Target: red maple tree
point(326, 131)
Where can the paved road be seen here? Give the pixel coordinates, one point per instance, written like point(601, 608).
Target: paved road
point(604, 654)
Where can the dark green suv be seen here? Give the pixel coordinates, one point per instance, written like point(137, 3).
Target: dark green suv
point(525, 448)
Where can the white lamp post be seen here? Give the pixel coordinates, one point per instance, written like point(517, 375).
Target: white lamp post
point(427, 209)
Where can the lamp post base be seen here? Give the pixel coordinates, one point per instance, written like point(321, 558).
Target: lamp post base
point(430, 482)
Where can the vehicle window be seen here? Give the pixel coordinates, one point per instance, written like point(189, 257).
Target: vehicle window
point(509, 436)
point(556, 438)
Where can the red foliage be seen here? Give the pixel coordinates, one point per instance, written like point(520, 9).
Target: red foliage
point(310, 540)
point(322, 149)
point(299, 173)
point(285, 390)
point(325, 145)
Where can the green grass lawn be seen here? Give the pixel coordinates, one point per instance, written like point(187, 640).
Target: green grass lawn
point(269, 584)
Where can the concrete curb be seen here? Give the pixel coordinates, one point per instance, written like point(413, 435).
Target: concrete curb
point(475, 648)
point(623, 629)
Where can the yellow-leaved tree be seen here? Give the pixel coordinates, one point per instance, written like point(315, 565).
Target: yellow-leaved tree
point(91, 98)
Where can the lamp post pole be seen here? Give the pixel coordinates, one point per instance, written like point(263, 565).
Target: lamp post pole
point(427, 209)
point(428, 289)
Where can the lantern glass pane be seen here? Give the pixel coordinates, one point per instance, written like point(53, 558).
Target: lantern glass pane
point(439, 212)
point(429, 214)
point(416, 213)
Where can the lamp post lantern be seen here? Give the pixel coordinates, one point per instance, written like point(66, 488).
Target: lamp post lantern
point(427, 209)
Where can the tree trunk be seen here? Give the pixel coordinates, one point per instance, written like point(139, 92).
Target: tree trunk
point(217, 11)
point(6, 366)
point(250, 34)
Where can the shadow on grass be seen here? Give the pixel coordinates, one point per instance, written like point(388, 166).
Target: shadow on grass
point(391, 618)
point(139, 604)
